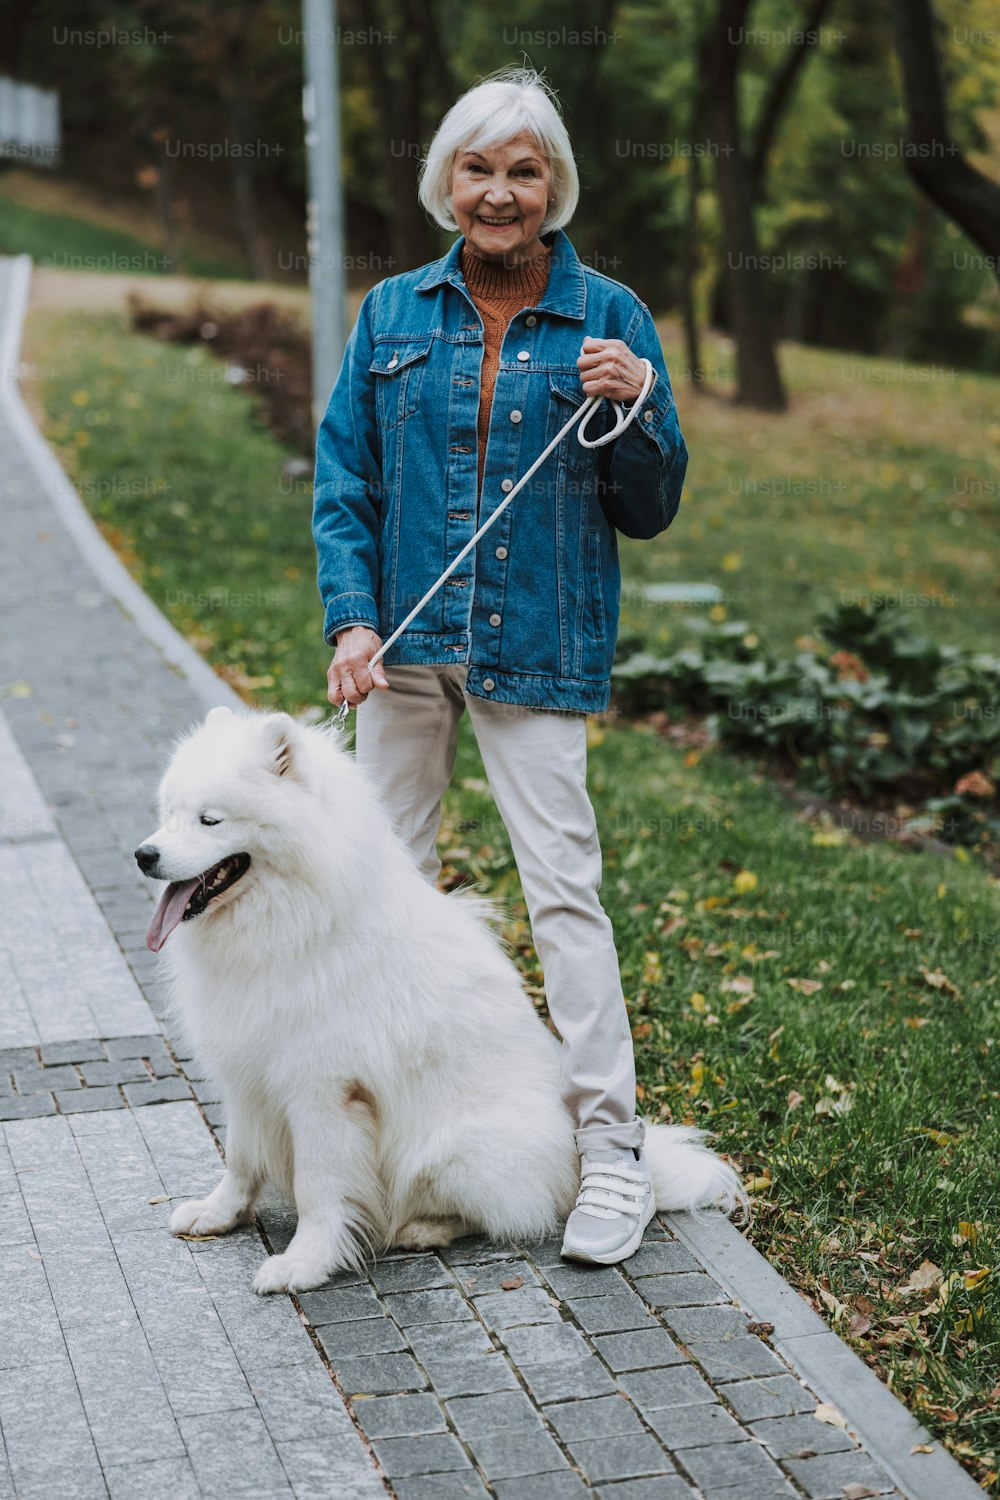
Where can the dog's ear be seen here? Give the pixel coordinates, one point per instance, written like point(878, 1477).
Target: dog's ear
point(282, 743)
point(220, 711)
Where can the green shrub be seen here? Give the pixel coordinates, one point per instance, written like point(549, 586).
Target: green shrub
point(871, 707)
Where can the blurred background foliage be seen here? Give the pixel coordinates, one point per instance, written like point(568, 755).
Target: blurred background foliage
point(860, 258)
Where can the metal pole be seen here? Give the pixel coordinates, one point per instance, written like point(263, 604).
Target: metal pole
point(325, 212)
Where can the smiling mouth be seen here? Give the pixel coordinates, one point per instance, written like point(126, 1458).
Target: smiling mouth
point(184, 899)
point(496, 223)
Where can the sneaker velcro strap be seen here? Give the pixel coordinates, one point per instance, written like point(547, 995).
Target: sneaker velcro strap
point(614, 1175)
point(607, 1200)
point(613, 1168)
point(616, 1184)
point(613, 1190)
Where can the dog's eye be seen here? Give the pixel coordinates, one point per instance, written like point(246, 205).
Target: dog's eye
point(207, 821)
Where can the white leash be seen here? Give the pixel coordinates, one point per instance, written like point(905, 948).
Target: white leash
point(586, 411)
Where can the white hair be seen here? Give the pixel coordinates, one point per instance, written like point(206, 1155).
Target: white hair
point(504, 105)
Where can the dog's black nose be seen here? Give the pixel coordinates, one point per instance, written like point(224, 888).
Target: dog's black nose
point(146, 857)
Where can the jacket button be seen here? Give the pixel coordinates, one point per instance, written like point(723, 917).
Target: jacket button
point(647, 416)
point(488, 684)
point(506, 484)
point(501, 552)
point(523, 355)
point(515, 416)
point(531, 320)
point(494, 619)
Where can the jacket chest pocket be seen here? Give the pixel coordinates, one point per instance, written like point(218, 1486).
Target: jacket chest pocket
point(398, 366)
point(567, 396)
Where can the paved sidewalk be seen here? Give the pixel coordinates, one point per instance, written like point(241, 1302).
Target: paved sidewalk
point(136, 1365)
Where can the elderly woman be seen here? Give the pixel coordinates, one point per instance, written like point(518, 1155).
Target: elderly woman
point(455, 377)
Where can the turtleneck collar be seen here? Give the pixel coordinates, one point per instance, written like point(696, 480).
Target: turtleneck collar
point(491, 278)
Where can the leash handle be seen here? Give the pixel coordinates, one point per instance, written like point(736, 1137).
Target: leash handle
point(586, 411)
point(622, 418)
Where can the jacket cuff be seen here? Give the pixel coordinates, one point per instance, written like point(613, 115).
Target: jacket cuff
point(652, 414)
point(349, 609)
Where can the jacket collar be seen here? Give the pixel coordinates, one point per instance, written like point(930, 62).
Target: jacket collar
point(566, 292)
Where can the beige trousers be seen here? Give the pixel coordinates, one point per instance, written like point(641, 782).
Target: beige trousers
point(536, 764)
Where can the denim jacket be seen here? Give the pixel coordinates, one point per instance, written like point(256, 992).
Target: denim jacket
point(533, 607)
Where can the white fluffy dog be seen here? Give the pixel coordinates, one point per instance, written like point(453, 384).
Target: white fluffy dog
point(377, 1055)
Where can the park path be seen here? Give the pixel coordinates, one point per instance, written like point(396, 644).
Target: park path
point(136, 1365)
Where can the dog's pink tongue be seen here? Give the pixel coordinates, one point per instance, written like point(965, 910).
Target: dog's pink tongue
point(168, 912)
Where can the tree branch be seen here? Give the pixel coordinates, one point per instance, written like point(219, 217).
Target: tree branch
point(780, 94)
point(935, 162)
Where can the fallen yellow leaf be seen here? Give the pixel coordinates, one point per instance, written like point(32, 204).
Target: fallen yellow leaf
point(926, 1276)
point(740, 984)
point(829, 838)
point(939, 1137)
point(652, 969)
point(938, 981)
point(833, 1304)
point(974, 1279)
point(828, 1413)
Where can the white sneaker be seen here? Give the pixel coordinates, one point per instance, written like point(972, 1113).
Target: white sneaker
point(614, 1205)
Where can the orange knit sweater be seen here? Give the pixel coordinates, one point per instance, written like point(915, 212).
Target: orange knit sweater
point(499, 292)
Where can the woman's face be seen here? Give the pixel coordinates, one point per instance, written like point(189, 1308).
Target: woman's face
point(499, 198)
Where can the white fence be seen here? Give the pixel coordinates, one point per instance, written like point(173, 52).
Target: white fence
point(29, 124)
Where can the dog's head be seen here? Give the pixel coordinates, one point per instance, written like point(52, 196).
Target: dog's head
point(222, 802)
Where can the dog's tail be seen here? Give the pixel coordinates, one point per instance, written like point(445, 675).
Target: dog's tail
point(687, 1175)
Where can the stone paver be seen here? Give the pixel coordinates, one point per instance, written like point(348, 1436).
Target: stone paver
point(136, 1365)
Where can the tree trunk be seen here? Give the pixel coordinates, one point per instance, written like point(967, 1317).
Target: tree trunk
point(173, 253)
point(244, 187)
point(400, 103)
point(935, 163)
point(689, 259)
point(758, 378)
point(780, 95)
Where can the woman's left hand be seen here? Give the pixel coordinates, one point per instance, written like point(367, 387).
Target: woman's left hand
point(609, 368)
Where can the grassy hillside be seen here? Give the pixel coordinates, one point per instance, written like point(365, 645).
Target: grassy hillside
point(64, 225)
point(882, 480)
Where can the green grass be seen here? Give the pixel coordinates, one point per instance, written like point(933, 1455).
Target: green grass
point(882, 479)
point(67, 242)
point(187, 484)
point(720, 898)
point(829, 1008)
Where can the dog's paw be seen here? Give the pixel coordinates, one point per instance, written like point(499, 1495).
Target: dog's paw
point(288, 1273)
point(201, 1216)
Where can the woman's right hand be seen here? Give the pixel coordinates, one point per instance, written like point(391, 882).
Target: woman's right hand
point(349, 679)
